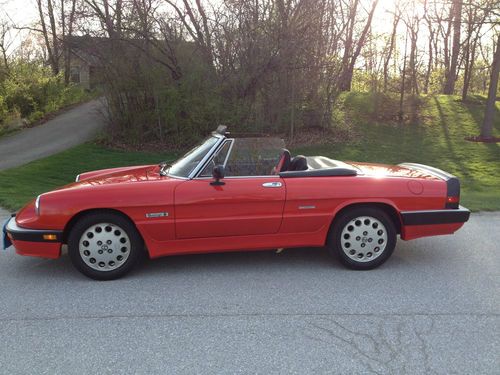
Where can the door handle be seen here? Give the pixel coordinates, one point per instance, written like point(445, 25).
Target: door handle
point(272, 184)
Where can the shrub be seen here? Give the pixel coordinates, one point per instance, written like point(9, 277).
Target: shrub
point(3, 109)
point(33, 91)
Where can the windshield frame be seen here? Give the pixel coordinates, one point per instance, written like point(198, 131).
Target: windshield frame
point(232, 142)
point(203, 161)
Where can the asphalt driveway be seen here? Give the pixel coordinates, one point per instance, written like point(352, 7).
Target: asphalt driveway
point(434, 307)
point(68, 129)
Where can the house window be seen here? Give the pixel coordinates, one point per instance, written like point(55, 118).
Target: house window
point(74, 74)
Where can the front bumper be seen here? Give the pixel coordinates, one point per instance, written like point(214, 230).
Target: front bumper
point(44, 243)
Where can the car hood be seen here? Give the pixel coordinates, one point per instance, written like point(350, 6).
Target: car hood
point(386, 170)
point(120, 176)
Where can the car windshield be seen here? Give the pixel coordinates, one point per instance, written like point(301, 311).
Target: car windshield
point(246, 157)
point(185, 165)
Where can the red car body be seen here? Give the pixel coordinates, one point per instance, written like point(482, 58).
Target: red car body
point(179, 215)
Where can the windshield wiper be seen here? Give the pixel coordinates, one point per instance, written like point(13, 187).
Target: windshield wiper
point(164, 167)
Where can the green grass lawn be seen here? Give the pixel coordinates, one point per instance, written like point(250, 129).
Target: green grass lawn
point(436, 138)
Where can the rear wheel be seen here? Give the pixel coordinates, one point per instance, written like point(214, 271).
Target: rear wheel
point(362, 237)
point(104, 246)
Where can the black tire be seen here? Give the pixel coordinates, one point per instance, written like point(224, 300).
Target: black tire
point(131, 248)
point(362, 253)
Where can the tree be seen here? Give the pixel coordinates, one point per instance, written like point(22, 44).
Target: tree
point(451, 73)
point(56, 26)
point(196, 22)
point(4, 46)
point(49, 33)
point(67, 32)
point(352, 49)
point(489, 113)
point(432, 37)
point(412, 26)
point(477, 16)
point(173, 67)
point(109, 14)
point(392, 42)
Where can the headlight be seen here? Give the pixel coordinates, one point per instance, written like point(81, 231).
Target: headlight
point(77, 178)
point(37, 205)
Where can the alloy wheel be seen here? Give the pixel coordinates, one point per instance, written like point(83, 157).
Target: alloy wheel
point(104, 246)
point(363, 239)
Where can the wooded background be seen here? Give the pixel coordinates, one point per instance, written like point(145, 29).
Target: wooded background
point(274, 66)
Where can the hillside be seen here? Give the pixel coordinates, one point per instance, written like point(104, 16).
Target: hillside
point(435, 136)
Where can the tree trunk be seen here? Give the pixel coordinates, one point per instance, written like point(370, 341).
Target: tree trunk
point(449, 86)
point(391, 48)
point(489, 113)
point(467, 72)
point(403, 77)
point(53, 31)
point(469, 66)
point(54, 63)
point(343, 84)
point(446, 43)
point(4, 28)
point(430, 46)
point(413, 56)
point(64, 48)
point(348, 71)
point(66, 40)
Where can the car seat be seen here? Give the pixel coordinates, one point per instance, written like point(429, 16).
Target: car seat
point(298, 163)
point(284, 161)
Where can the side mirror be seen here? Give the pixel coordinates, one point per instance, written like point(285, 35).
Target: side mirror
point(218, 173)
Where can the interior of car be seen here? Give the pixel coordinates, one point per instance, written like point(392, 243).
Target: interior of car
point(288, 163)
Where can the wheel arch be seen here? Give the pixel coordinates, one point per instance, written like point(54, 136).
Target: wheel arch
point(386, 207)
point(75, 218)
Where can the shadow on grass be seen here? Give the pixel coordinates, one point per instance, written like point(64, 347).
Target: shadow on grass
point(449, 144)
point(475, 106)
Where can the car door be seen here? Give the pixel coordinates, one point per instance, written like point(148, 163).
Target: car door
point(242, 206)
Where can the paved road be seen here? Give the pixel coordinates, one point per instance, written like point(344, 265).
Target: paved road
point(433, 308)
point(69, 129)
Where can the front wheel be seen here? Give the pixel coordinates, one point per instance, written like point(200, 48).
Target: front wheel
point(104, 246)
point(362, 237)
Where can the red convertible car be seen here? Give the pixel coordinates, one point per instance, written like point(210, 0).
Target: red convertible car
point(233, 193)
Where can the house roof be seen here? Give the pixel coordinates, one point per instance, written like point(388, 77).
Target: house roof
point(97, 51)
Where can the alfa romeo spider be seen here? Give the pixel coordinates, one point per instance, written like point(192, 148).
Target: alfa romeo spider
point(237, 194)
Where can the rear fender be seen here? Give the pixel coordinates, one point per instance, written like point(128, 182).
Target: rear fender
point(385, 204)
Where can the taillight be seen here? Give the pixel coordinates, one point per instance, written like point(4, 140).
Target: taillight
point(452, 202)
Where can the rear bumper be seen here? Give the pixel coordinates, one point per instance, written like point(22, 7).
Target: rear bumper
point(429, 217)
point(44, 243)
point(418, 224)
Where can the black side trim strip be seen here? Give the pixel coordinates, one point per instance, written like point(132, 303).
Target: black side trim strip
point(458, 215)
point(323, 172)
point(32, 235)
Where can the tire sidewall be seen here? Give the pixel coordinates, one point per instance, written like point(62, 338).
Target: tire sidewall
point(334, 237)
point(91, 219)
